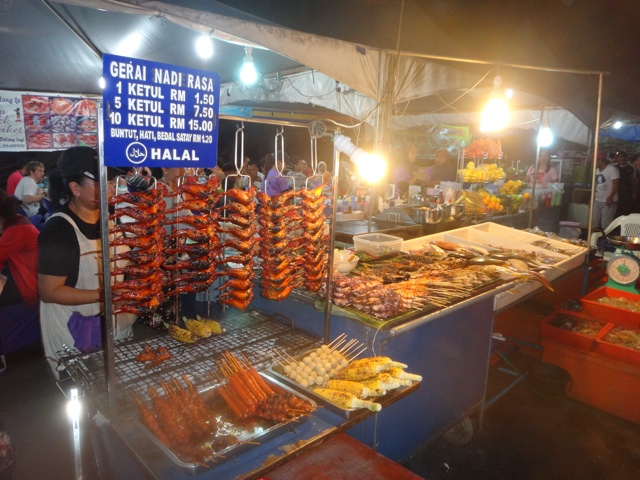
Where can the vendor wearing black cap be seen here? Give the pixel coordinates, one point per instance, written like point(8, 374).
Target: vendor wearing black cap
point(69, 252)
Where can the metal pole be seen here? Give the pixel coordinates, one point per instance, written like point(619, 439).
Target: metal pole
point(332, 241)
point(535, 172)
point(110, 361)
point(596, 134)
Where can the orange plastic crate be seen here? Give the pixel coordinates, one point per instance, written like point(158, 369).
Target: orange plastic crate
point(591, 307)
point(552, 328)
point(617, 351)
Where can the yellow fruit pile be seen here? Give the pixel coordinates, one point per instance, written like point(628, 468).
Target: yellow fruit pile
point(486, 172)
point(512, 186)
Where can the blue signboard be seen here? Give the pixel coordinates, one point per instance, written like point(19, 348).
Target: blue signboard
point(159, 115)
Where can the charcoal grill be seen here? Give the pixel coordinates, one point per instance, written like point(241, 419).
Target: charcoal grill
point(250, 334)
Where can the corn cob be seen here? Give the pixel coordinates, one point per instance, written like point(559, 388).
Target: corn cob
point(383, 382)
point(197, 327)
point(354, 388)
point(180, 334)
point(366, 368)
point(214, 326)
point(396, 372)
point(346, 400)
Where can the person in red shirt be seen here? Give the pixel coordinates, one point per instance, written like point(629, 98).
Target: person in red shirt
point(15, 177)
point(18, 255)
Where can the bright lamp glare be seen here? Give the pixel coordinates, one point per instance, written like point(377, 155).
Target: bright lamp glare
point(373, 169)
point(204, 46)
point(545, 137)
point(102, 83)
point(248, 73)
point(74, 406)
point(129, 45)
point(617, 124)
point(495, 115)
point(508, 93)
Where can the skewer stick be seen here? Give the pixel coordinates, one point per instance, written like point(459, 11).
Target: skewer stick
point(356, 355)
point(339, 337)
point(348, 346)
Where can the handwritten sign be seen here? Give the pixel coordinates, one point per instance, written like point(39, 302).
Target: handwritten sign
point(159, 115)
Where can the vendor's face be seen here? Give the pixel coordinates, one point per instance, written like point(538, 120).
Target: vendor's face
point(88, 193)
point(441, 159)
point(544, 159)
point(301, 166)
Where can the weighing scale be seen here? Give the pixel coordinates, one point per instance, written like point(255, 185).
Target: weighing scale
point(623, 268)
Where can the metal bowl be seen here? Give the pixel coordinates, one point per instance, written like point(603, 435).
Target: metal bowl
point(455, 210)
point(630, 243)
point(427, 215)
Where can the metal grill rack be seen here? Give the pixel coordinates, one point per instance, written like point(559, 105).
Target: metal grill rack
point(249, 334)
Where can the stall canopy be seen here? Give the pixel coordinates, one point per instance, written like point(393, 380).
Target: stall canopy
point(330, 57)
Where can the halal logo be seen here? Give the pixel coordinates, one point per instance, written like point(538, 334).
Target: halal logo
point(136, 152)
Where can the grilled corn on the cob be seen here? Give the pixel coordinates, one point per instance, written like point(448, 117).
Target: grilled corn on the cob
point(180, 334)
point(396, 372)
point(366, 368)
point(214, 326)
point(347, 400)
point(352, 387)
point(197, 327)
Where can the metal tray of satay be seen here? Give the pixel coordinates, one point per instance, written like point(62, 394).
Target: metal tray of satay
point(318, 365)
point(232, 436)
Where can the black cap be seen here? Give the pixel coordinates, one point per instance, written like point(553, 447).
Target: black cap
point(77, 162)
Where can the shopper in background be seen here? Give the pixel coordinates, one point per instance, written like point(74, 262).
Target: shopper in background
point(18, 255)
point(606, 193)
point(405, 169)
point(28, 191)
point(251, 169)
point(274, 183)
point(69, 261)
point(443, 169)
point(628, 187)
point(545, 174)
point(299, 173)
point(324, 172)
point(15, 177)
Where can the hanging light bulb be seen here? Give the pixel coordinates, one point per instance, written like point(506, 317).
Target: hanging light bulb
point(204, 46)
point(545, 135)
point(371, 167)
point(496, 112)
point(102, 83)
point(248, 73)
point(617, 124)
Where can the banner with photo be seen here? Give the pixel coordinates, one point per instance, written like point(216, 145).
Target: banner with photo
point(43, 121)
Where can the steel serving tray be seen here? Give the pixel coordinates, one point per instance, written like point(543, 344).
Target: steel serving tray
point(277, 371)
point(249, 434)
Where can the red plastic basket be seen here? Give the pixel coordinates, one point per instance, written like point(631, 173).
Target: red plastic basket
point(607, 313)
point(616, 351)
point(550, 329)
